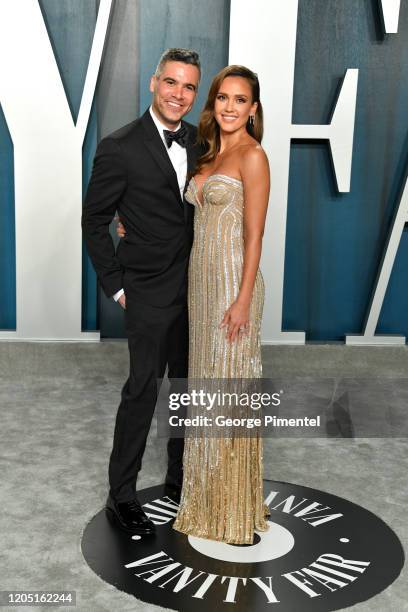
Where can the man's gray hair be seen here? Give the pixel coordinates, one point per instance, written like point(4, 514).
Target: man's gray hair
point(187, 56)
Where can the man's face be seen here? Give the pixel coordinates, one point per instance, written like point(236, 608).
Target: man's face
point(174, 92)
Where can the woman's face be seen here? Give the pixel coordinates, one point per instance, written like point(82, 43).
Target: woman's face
point(233, 104)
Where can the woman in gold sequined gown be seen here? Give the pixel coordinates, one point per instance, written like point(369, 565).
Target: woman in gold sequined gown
point(222, 493)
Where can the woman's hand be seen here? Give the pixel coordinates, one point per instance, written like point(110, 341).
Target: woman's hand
point(120, 228)
point(236, 319)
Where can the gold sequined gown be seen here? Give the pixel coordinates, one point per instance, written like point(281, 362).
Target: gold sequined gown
point(222, 493)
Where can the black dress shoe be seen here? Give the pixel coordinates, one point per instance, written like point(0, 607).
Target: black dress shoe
point(129, 516)
point(173, 491)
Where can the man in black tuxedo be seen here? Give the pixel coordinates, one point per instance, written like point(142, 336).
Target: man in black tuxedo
point(140, 171)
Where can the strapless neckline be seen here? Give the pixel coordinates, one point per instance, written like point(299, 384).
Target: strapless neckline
point(216, 175)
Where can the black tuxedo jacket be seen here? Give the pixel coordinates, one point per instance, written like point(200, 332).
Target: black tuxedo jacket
point(133, 174)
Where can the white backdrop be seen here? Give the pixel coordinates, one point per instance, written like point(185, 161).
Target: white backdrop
point(48, 161)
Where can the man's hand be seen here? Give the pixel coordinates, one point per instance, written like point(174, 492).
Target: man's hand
point(120, 228)
point(122, 301)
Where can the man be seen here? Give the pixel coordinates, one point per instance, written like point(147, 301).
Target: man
point(140, 171)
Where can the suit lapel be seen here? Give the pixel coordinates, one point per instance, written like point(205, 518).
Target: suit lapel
point(157, 148)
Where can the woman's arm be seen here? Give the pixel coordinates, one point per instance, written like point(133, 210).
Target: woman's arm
point(254, 170)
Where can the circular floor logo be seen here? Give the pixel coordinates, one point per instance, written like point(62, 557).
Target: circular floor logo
point(321, 552)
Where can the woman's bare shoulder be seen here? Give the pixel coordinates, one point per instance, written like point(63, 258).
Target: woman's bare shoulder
point(253, 156)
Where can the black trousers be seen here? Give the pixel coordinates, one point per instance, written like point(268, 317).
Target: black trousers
point(157, 337)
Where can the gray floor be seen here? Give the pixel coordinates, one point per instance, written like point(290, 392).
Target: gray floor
point(58, 407)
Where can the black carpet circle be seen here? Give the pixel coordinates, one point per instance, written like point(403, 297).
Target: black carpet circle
point(321, 553)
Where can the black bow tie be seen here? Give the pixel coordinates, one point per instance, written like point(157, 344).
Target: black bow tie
point(179, 136)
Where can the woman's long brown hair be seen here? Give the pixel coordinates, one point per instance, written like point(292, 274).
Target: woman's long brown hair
point(208, 129)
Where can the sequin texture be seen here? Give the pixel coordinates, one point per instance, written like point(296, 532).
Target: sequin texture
point(222, 494)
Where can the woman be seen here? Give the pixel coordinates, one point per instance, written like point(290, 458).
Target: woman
point(222, 493)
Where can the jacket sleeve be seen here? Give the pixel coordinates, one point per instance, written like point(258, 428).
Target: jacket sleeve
point(106, 187)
